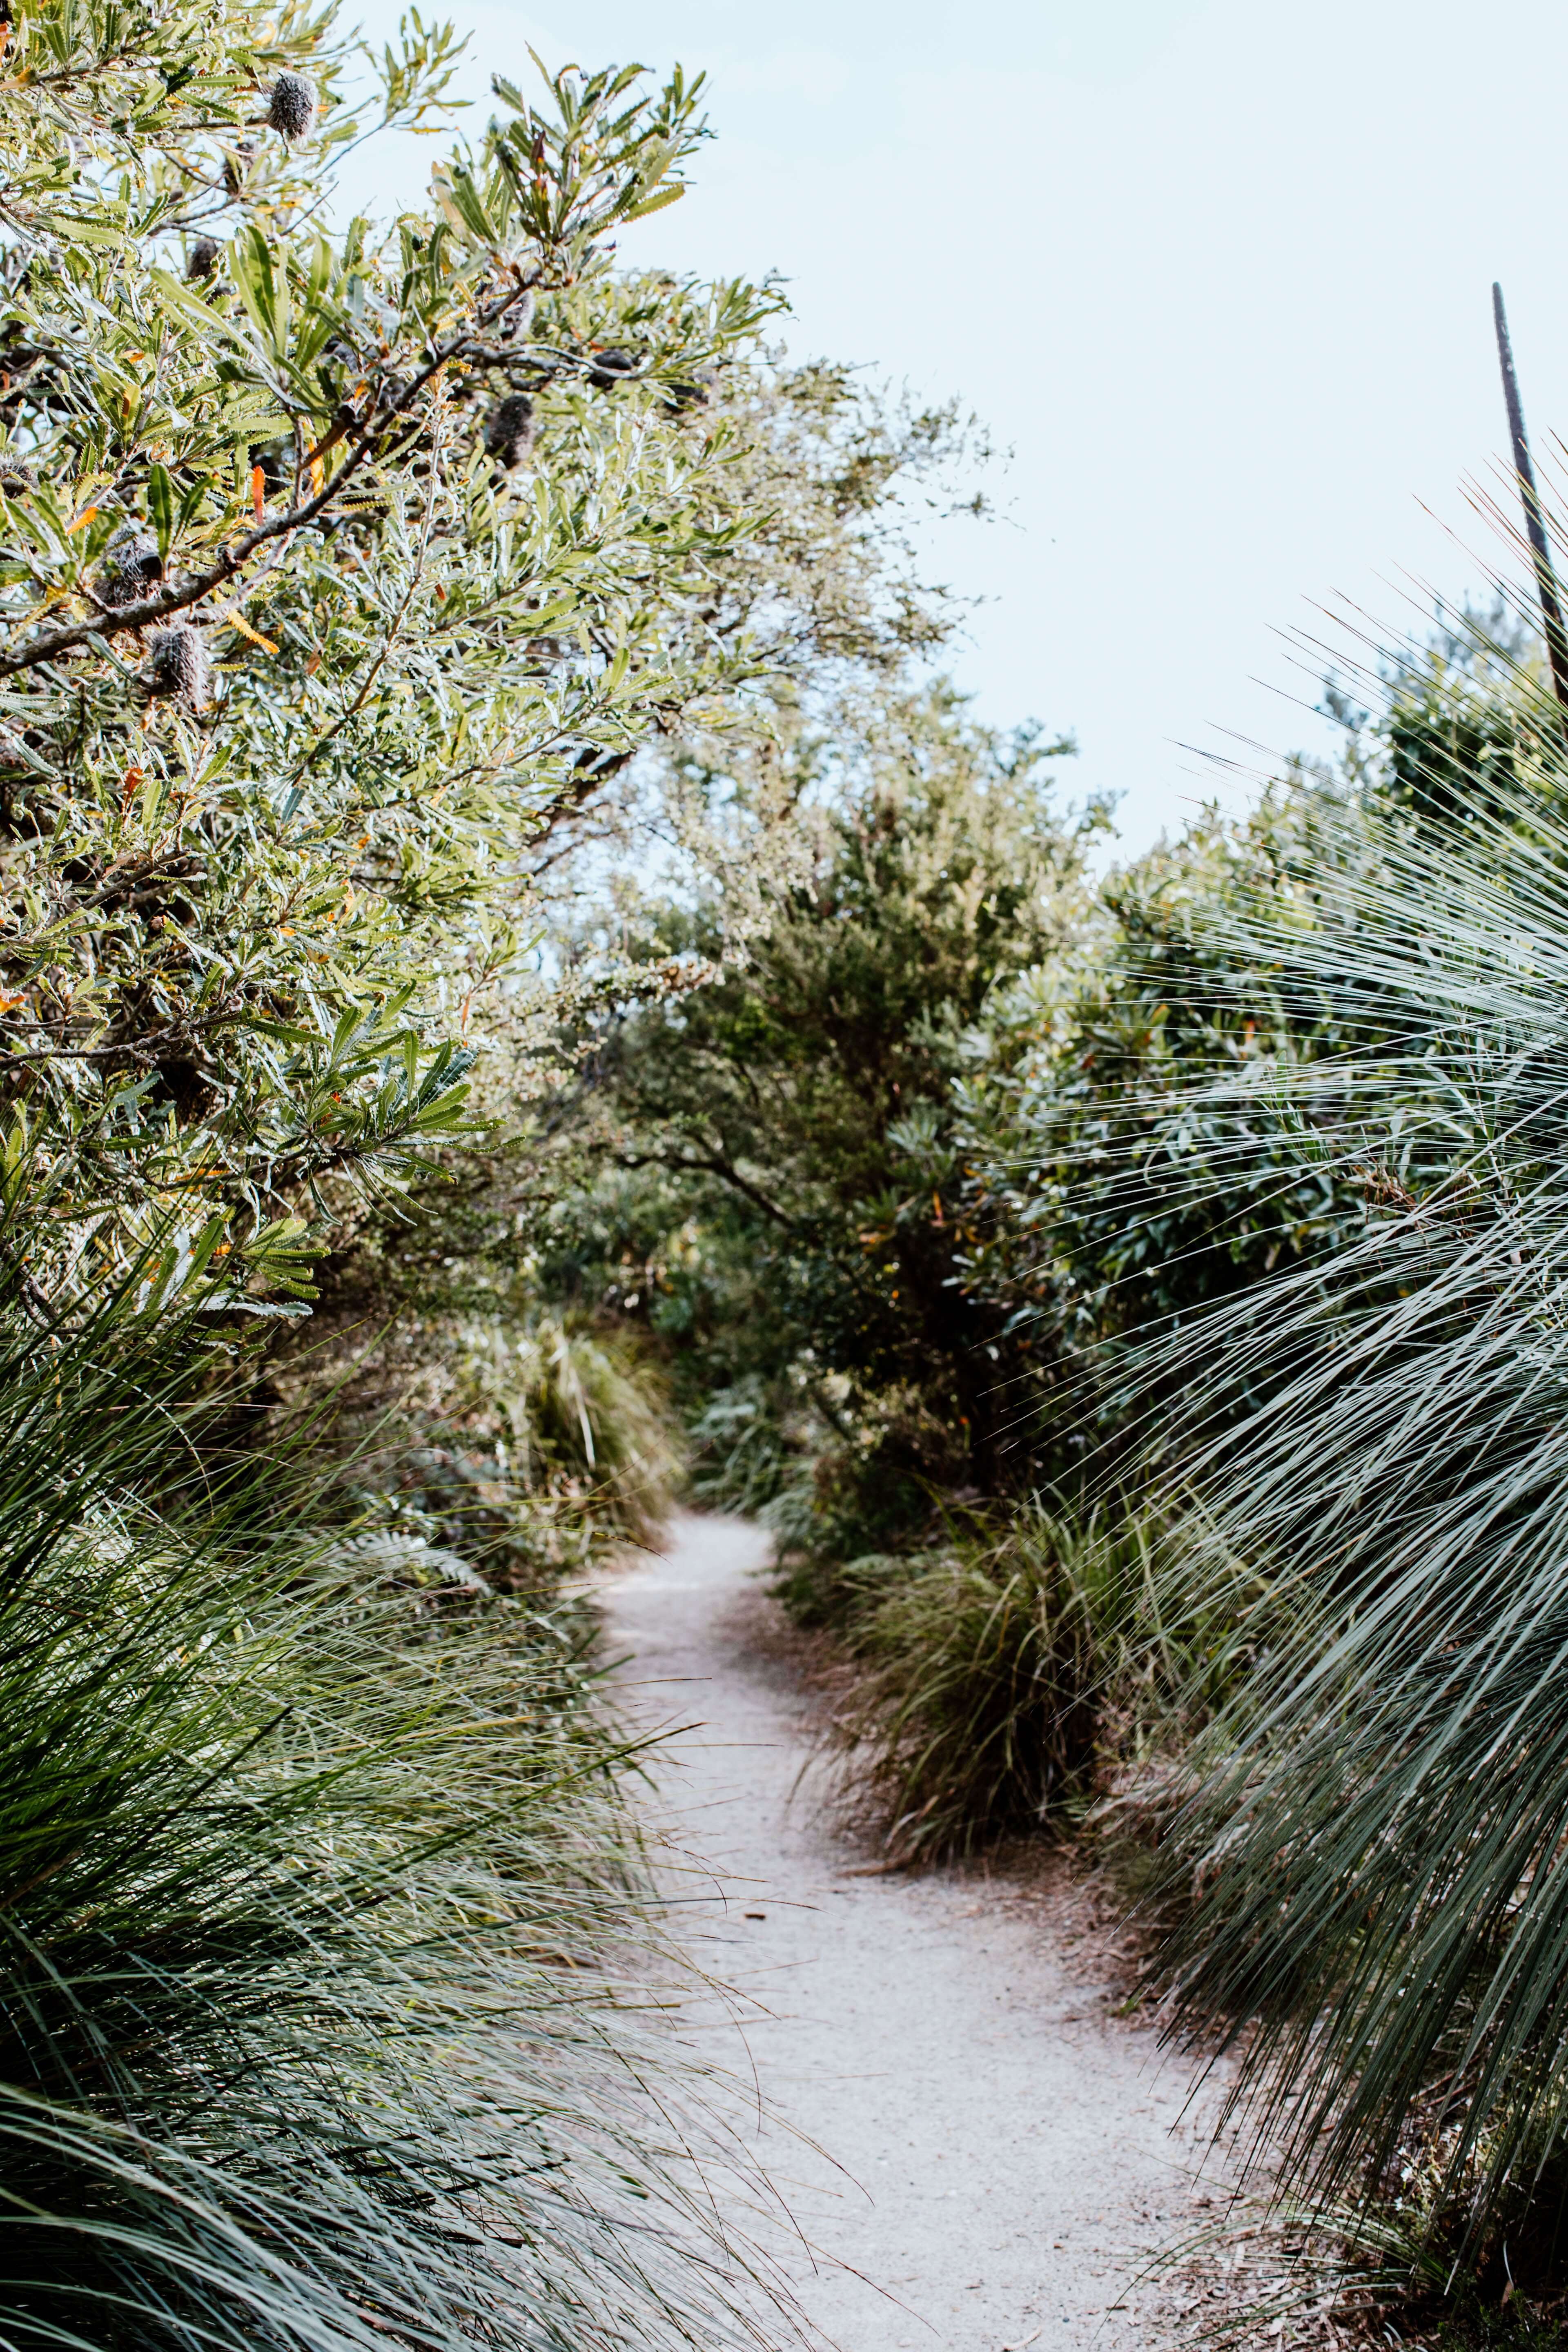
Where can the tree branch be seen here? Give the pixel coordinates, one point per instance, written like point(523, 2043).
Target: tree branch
point(684, 1165)
point(178, 595)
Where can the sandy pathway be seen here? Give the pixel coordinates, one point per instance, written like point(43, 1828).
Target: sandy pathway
point(975, 2152)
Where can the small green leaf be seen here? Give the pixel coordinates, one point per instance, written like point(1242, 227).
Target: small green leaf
point(160, 507)
point(655, 203)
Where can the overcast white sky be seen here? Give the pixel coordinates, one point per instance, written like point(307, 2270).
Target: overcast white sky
point(1218, 273)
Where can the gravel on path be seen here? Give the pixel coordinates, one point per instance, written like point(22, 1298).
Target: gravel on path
point(976, 2154)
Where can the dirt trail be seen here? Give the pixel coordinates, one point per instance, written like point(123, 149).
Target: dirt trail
point(975, 2152)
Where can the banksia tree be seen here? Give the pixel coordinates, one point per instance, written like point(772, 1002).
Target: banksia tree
point(290, 676)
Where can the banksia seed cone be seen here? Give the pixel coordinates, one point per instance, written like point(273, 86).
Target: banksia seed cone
point(131, 564)
point(293, 107)
point(611, 367)
point(204, 258)
point(178, 665)
point(509, 434)
point(16, 473)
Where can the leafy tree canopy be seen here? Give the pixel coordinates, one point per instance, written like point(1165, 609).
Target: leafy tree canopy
point(799, 1108)
point(336, 571)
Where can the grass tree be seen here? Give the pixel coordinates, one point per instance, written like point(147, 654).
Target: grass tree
point(1372, 1865)
point(317, 1922)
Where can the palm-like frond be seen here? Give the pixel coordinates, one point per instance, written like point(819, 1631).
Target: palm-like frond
point(1380, 1853)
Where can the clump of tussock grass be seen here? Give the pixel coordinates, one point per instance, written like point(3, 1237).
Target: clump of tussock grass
point(322, 1948)
point(1021, 1666)
point(1373, 1868)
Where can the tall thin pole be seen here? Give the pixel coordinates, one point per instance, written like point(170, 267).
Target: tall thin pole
point(1545, 578)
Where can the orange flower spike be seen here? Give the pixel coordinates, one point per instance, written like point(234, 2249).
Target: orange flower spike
point(258, 492)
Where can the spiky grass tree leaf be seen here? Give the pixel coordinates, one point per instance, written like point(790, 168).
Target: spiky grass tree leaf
point(1377, 1864)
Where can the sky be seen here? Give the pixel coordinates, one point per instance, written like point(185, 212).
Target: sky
point(1217, 275)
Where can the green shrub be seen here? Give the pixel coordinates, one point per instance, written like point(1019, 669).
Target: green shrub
point(822, 1593)
point(584, 1413)
point(795, 1229)
point(740, 1457)
point(527, 1442)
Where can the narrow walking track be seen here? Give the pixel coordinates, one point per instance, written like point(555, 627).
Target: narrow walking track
point(975, 2153)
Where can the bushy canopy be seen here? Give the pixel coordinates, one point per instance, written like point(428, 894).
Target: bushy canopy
point(335, 570)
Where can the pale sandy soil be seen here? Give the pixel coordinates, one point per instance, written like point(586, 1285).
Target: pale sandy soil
point(975, 2151)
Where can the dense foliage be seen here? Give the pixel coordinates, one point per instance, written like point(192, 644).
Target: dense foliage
point(344, 571)
point(481, 858)
point(776, 1178)
point(1227, 1193)
point(338, 572)
point(315, 1888)
point(1378, 1834)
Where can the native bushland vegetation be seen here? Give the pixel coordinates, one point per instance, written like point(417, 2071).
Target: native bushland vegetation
point(364, 586)
point(305, 666)
point(316, 1889)
point(521, 988)
point(1131, 1303)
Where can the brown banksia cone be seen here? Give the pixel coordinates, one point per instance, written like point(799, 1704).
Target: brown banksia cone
point(611, 367)
point(178, 665)
point(509, 433)
point(204, 258)
point(131, 564)
point(292, 109)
